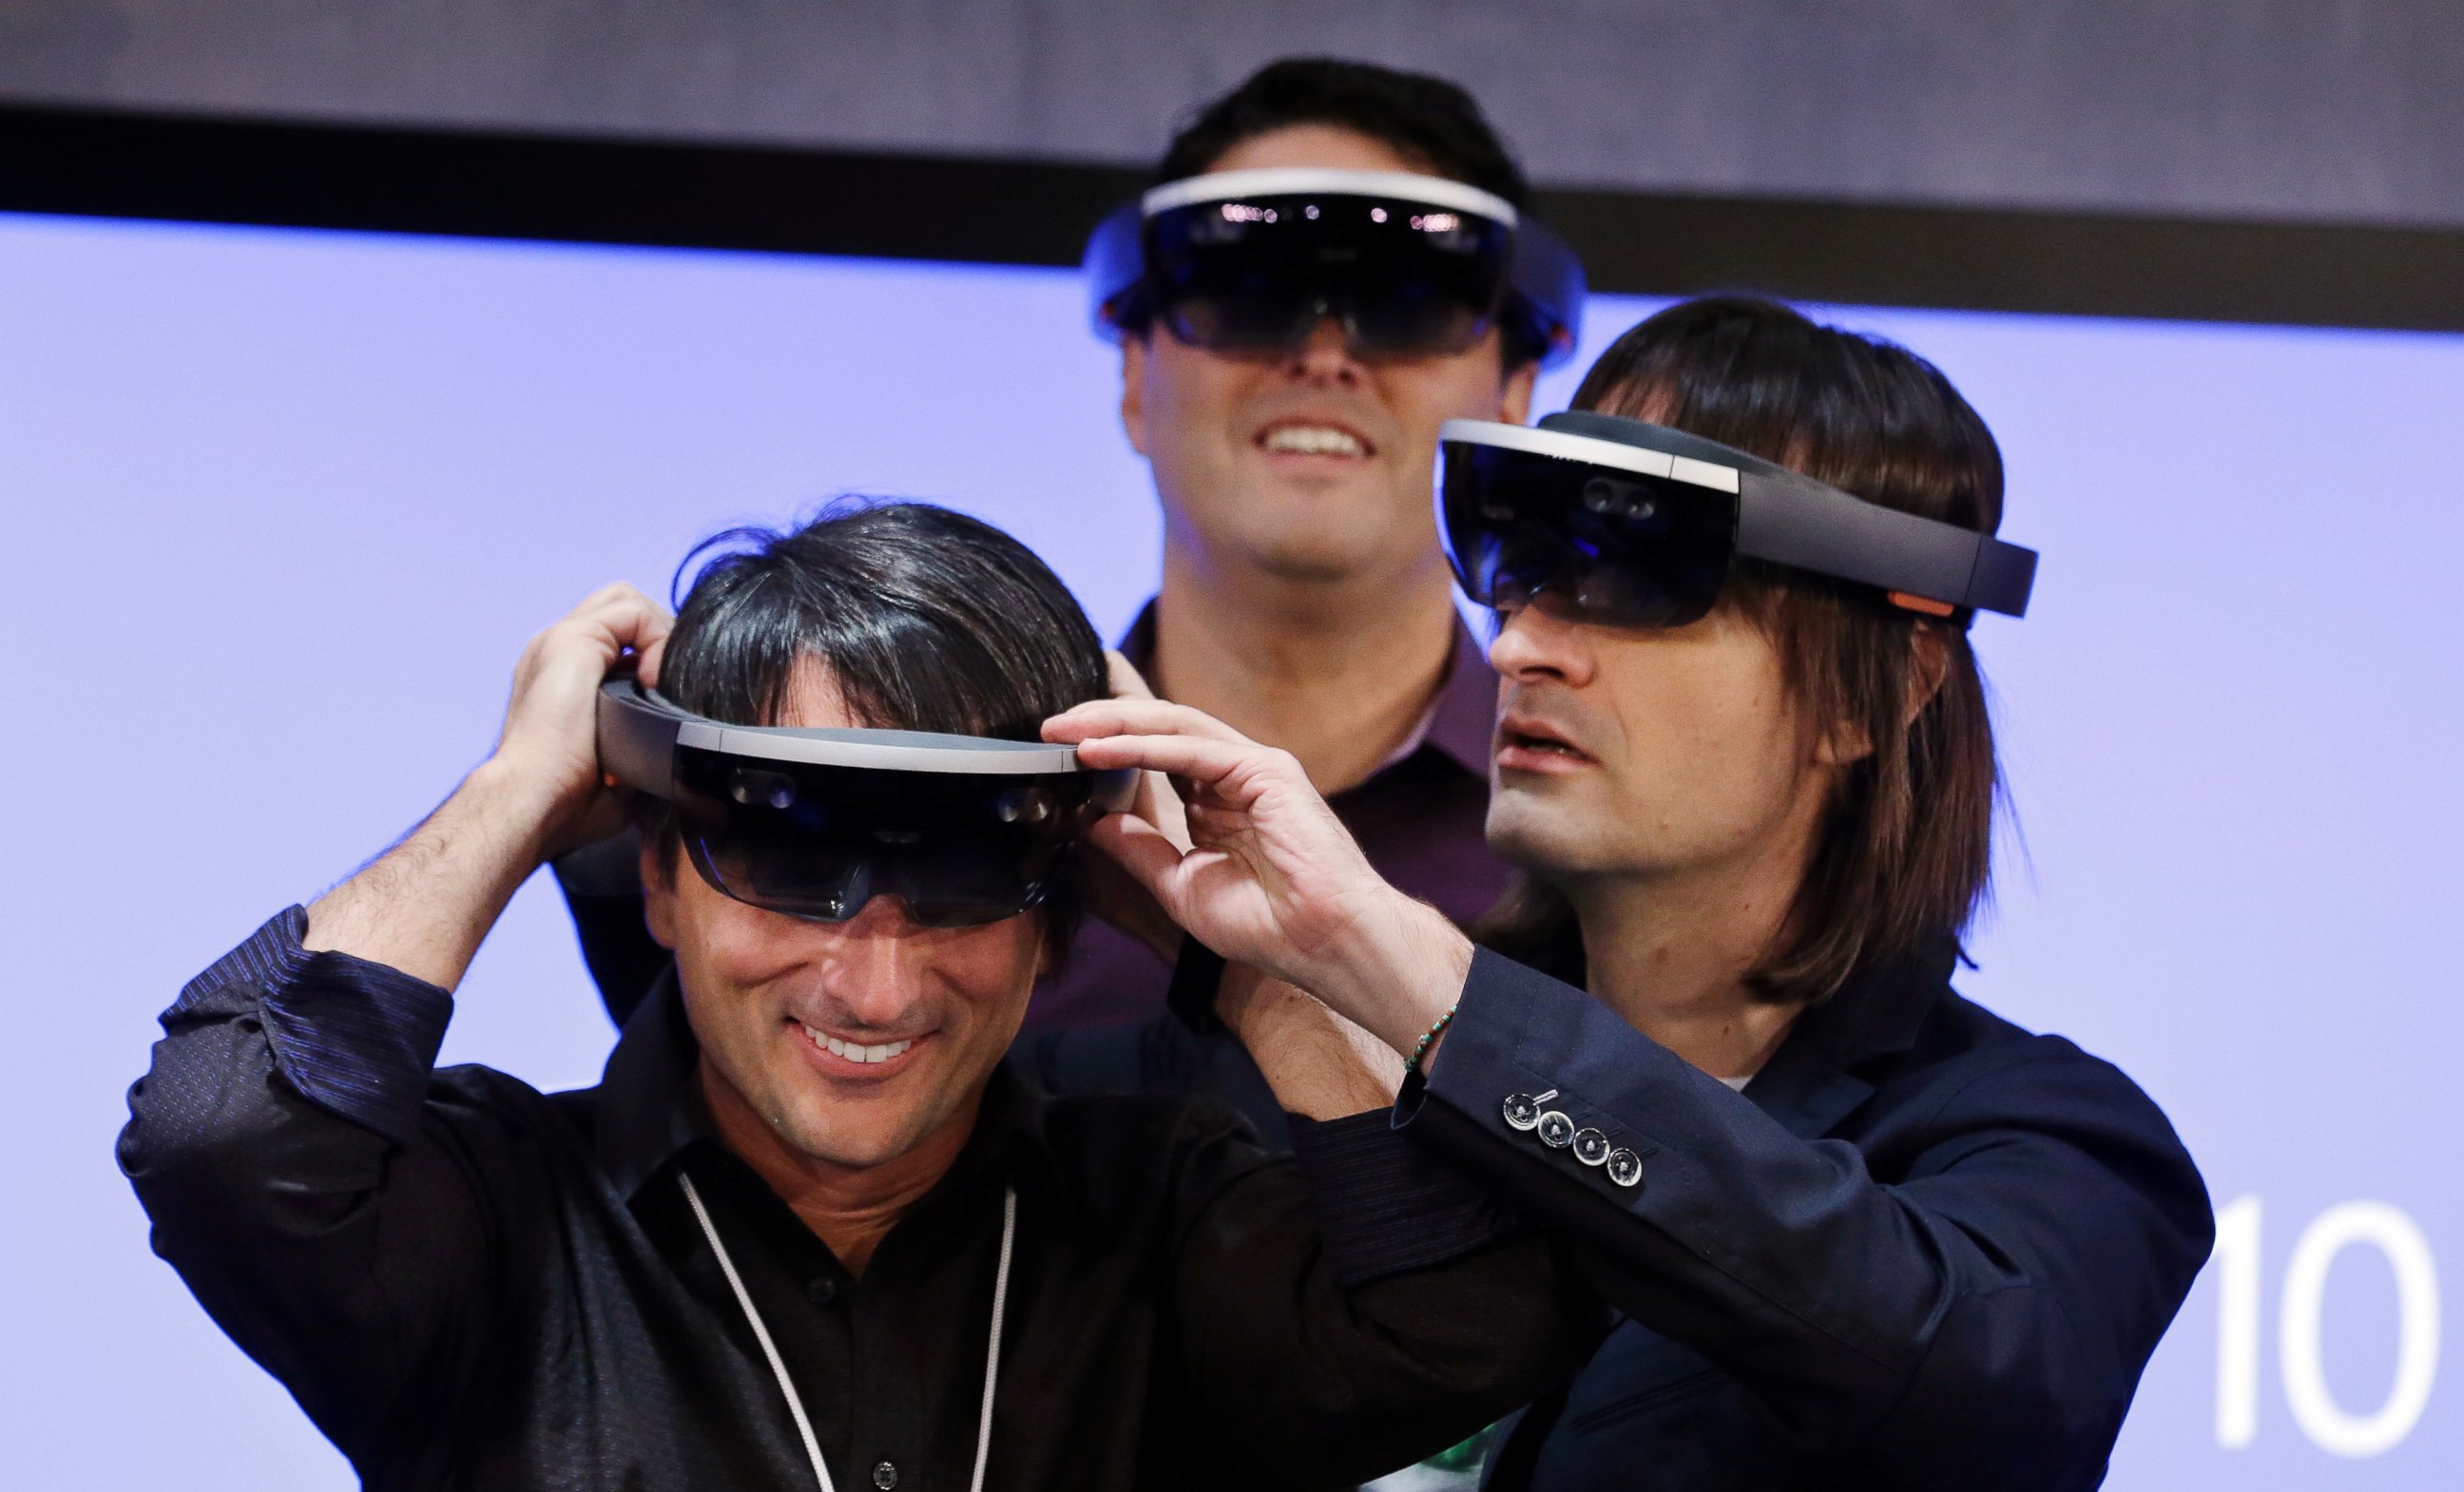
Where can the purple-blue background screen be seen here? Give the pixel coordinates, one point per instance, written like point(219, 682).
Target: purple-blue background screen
point(278, 510)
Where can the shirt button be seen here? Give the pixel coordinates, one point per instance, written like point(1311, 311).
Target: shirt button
point(1625, 1167)
point(1591, 1147)
point(884, 1476)
point(820, 1292)
point(1557, 1131)
point(1521, 1112)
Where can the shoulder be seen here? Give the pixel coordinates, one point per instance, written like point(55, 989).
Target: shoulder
point(1971, 1069)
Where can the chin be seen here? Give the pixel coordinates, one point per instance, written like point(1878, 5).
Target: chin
point(1312, 549)
point(854, 1142)
point(1545, 839)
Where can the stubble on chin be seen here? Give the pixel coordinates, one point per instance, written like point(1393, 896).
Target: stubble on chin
point(1548, 837)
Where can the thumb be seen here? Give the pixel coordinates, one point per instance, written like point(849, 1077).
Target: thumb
point(1140, 849)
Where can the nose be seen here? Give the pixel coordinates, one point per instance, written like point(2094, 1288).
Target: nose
point(880, 962)
point(1541, 641)
point(1326, 359)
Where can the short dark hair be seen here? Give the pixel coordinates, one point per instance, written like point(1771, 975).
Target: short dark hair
point(1427, 121)
point(1903, 858)
point(926, 619)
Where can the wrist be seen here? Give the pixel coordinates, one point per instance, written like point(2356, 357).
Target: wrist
point(520, 804)
point(1400, 972)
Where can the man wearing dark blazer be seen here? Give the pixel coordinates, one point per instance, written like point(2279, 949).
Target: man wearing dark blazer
point(1863, 1233)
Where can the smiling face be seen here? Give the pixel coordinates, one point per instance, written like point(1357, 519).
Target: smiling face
point(857, 1043)
point(1648, 753)
point(1314, 465)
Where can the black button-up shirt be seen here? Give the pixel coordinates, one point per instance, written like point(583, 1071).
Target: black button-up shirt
point(469, 1283)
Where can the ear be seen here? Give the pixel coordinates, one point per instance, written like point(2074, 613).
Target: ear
point(1514, 397)
point(1134, 391)
point(1928, 663)
point(1846, 742)
point(658, 894)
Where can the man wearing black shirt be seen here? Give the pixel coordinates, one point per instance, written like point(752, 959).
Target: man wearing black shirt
point(807, 1226)
point(1303, 598)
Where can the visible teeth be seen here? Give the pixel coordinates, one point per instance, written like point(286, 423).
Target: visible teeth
point(853, 1052)
point(1315, 440)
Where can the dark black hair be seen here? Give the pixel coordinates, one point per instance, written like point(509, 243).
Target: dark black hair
point(1427, 121)
point(926, 619)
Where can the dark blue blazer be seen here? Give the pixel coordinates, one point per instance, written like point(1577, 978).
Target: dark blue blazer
point(1923, 1248)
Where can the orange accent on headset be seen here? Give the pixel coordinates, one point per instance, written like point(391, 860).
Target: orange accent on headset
point(1924, 603)
point(608, 779)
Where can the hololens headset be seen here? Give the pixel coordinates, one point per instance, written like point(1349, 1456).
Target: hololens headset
point(814, 824)
point(1407, 265)
point(1636, 526)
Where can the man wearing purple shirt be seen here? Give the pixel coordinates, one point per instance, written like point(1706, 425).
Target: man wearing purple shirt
point(1304, 599)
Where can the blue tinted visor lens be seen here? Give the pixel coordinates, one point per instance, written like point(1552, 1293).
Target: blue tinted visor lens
point(819, 842)
point(1258, 274)
point(1615, 547)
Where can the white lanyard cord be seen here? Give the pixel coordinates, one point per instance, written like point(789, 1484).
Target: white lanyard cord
point(779, 1368)
point(992, 1350)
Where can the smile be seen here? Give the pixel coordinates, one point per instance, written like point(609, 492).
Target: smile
point(1315, 440)
point(853, 1052)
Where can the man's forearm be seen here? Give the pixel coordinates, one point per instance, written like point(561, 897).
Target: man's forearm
point(1396, 977)
point(1320, 1066)
point(424, 905)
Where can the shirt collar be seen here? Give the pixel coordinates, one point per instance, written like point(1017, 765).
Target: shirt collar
point(650, 1105)
point(1812, 1082)
point(650, 1109)
point(1461, 720)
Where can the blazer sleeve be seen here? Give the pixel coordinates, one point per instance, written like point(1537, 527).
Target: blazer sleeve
point(1991, 1305)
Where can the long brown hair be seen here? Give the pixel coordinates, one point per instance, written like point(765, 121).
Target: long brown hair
point(1903, 855)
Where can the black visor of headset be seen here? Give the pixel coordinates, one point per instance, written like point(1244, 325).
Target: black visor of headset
point(815, 824)
point(1637, 524)
point(1407, 265)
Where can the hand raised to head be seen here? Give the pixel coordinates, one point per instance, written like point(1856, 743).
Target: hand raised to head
point(550, 742)
point(1270, 876)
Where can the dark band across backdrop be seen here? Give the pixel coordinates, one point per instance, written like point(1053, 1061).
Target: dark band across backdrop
point(1038, 213)
point(292, 491)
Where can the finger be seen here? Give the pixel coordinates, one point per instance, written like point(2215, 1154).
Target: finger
point(1102, 717)
point(1159, 803)
point(1123, 678)
point(622, 613)
point(649, 657)
point(1207, 764)
point(601, 628)
point(1142, 849)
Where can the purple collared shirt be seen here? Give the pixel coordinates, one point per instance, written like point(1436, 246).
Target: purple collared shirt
point(1419, 819)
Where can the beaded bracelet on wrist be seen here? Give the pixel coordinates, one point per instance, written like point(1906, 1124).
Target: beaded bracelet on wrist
point(1428, 1038)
